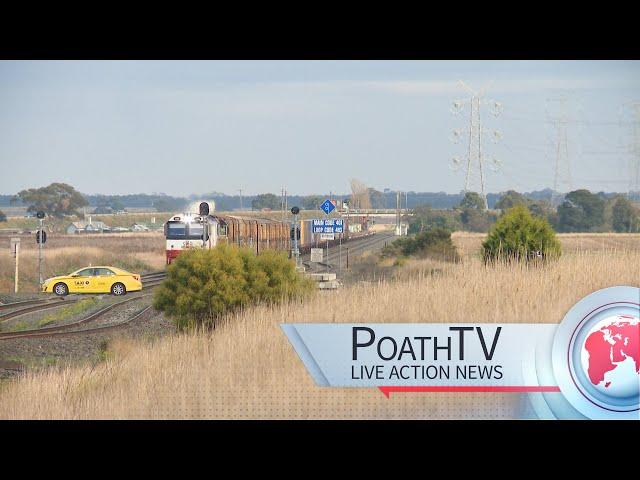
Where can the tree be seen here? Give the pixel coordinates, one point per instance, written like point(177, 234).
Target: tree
point(57, 199)
point(116, 204)
point(377, 198)
point(475, 220)
point(517, 235)
point(312, 202)
point(266, 200)
point(169, 204)
point(473, 215)
point(581, 211)
point(541, 208)
point(425, 218)
point(359, 198)
point(511, 198)
point(625, 217)
point(472, 200)
point(3, 217)
point(204, 285)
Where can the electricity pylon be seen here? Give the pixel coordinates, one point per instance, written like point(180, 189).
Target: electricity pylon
point(634, 160)
point(558, 117)
point(475, 170)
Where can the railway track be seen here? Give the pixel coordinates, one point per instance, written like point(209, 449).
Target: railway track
point(149, 280)
point(332, 261)
point(18, 309)
point(70, 328)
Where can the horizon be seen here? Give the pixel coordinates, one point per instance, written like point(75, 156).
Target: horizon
point(340, 194)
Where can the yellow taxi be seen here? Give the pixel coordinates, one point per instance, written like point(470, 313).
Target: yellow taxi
point(94, 280)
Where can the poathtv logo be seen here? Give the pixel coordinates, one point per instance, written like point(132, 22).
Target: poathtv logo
point(596, 355)
point(588, 366)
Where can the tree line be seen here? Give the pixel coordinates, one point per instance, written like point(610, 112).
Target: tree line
point(578, 211)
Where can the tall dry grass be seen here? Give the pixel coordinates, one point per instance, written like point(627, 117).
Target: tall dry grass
point(469, 243)
point(247, 369)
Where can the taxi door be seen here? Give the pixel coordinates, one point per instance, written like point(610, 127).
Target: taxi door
point(102, 280)
point(81, 282)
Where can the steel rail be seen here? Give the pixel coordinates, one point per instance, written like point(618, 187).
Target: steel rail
point(47, 331)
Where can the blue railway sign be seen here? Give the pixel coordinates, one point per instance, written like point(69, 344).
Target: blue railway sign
point(327, 206)
point(329, 225)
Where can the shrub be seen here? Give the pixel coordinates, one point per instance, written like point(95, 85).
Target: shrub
point(517, 235)
point(432, 243)
point(204, 285)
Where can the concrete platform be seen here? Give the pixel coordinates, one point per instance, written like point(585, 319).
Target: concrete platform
point(322, 277)
point(331, 285)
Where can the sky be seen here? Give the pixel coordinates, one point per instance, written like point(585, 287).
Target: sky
point(190, 127)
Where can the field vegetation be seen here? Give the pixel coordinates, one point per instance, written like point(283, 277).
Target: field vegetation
point(136, 252)
point(246, 368)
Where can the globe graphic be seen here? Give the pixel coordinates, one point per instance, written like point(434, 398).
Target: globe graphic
point(610, 356)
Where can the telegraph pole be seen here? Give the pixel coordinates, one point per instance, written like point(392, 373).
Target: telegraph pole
point(15, 249)
point(240, 190)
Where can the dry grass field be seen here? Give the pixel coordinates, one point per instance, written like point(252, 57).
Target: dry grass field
point(138, 252)
point(112, 220)
point(470, 243)
point(247, 369)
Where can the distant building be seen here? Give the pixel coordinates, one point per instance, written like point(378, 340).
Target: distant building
point(139, 227)
point(87, 227)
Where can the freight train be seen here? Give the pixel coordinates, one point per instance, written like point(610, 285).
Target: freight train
point(191, 230)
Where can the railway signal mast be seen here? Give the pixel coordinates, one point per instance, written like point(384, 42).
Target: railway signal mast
point(475, 161)
point(41, 238)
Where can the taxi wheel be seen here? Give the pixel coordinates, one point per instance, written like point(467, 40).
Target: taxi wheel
point(118, 289)
point(61, 289)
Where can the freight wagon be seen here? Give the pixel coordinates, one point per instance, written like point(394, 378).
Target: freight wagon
point(189, 230)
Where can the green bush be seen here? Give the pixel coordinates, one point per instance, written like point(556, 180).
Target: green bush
point(517, 235)
point(433, 243)
point(204, 285)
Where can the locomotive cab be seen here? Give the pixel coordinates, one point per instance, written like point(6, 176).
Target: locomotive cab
point(187, 231)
